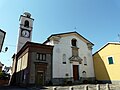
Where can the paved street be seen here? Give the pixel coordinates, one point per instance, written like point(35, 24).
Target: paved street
point(12, 88)
point(21, 88)
point(75, 87)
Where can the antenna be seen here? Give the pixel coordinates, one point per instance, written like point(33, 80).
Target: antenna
point(75, 28)
point(119, 38)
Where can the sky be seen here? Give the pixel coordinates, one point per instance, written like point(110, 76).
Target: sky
point(96, 20)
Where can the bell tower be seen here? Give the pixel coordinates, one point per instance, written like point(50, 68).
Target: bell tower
point(25, 30)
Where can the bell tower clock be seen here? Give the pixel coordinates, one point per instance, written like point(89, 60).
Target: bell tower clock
point(25, 30)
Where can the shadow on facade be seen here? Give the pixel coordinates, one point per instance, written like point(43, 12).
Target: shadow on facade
point(19, 78)
point(101, 73)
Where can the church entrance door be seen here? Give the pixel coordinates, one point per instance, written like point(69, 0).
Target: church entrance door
point(75, 72)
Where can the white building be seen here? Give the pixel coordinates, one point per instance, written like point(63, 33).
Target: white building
point(72, 58)
point(25, 30)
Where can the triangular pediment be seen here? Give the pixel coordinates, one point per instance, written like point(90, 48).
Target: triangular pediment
point(60, 35)
point(75, 59)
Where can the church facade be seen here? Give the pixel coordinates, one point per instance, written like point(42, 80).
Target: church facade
point(72, 58)
point(62, 58)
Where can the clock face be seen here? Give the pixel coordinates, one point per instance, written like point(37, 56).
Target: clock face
point(25, 33)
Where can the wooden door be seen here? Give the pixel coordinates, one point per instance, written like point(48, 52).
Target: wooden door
point(75, 72)
point(40, 78)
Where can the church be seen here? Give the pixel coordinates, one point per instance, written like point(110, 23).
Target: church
point(62, 58)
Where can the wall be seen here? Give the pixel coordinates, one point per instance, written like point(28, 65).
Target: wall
point(33, 61)
point(103, 70)
point(22, 62)
point(21, 70)
point(32, 67)
point(64, 47)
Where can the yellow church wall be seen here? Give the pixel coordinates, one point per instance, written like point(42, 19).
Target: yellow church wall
point(104, 70)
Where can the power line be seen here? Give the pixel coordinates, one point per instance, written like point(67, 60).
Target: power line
point(10, 45)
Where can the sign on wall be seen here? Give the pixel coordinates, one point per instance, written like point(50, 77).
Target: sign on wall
point(2, 37)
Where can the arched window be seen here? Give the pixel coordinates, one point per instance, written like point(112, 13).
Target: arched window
point(84, 74)
point(64, 58)
point(85, 61)
point(74, 42)
point(26, 24)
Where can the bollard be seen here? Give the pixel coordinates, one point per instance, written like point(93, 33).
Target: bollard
point(54, 88)
point(107, 87)
point(86, 87)
point(70, 88)
point(97, 87)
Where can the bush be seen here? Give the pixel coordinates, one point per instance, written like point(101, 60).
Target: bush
point(4, 76)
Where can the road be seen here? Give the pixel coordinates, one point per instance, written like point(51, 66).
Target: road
point(21, 88)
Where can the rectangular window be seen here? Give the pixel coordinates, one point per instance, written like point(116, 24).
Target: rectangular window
point(41, 57)
point(37, 56)
point(110, 60)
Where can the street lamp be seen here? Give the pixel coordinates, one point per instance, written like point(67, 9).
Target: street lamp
point(6, 49)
